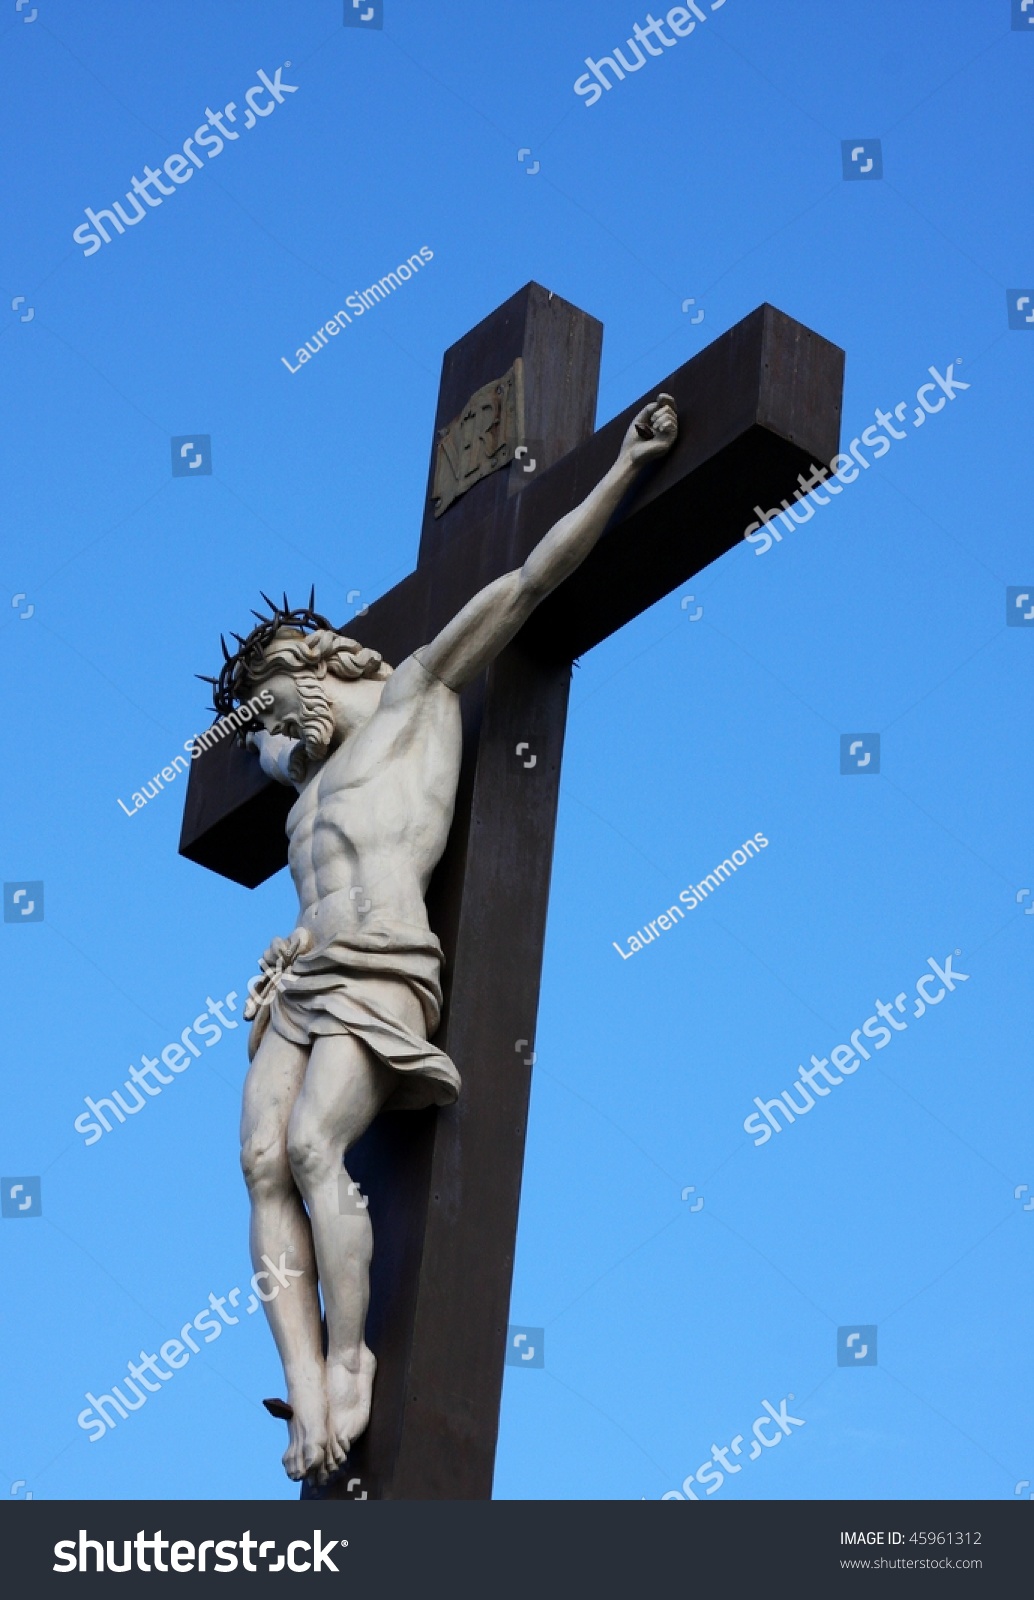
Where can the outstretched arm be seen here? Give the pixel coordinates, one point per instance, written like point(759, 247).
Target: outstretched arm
point(488, 622)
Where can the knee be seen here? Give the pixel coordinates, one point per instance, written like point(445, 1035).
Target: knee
point(312, 1157)
point(265, 1165)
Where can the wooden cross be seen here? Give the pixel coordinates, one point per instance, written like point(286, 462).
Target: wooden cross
point(758, 406)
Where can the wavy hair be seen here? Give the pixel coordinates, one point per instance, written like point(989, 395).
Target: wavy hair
point(309, 658)
point(314, 655)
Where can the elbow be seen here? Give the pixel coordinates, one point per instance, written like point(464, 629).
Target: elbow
point(537, 580)
point(533, 590)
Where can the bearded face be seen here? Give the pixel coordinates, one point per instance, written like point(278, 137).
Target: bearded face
point(293, 669)
point(298, 708)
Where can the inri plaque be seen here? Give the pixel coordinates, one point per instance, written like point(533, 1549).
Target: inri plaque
point(481, 439)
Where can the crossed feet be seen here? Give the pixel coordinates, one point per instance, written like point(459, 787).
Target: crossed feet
point(325, 1414)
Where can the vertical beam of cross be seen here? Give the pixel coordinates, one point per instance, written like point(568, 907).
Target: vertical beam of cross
point(444, 1186)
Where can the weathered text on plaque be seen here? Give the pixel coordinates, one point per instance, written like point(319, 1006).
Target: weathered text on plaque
point(481, 439)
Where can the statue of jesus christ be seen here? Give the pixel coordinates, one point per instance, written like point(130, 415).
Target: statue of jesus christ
point(342, 1021)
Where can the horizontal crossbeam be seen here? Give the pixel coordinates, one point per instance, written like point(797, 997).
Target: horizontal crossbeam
point(756, 408)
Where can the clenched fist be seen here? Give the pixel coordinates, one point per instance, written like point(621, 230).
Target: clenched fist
point(652, 432)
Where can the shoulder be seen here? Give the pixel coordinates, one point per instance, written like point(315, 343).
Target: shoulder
point(410, 683)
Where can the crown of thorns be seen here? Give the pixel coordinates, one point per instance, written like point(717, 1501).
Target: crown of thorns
point(237, 665)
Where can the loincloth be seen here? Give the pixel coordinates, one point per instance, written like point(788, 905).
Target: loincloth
point(321, 992)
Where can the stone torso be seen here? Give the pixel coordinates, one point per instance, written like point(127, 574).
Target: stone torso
point(372, 820)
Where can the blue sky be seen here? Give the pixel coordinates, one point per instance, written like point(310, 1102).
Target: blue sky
point(713, 173)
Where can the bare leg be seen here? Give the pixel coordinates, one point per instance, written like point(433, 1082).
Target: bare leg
point(280, 1232)
point(345, 1086)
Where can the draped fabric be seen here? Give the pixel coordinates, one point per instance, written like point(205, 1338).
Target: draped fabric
point(322, 991)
